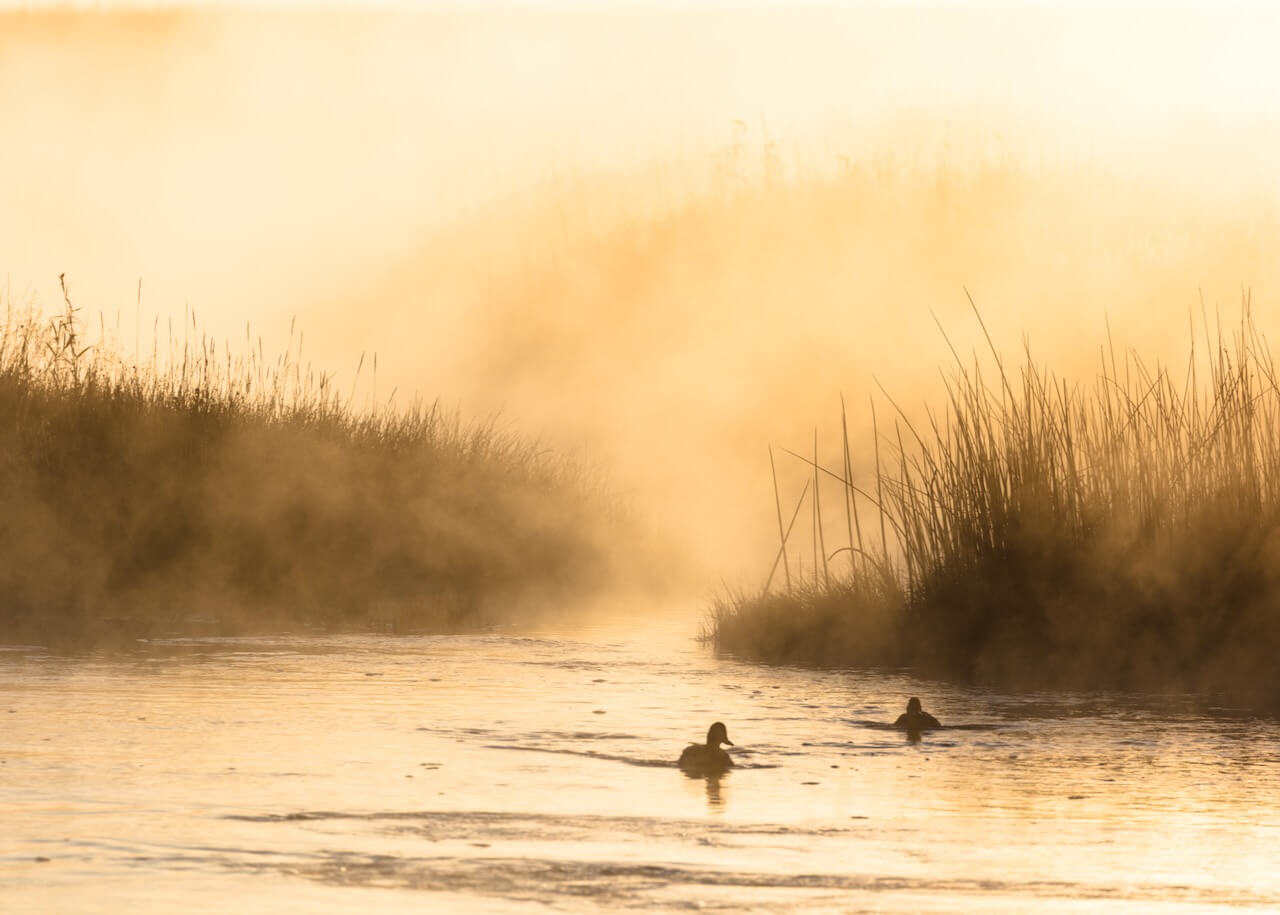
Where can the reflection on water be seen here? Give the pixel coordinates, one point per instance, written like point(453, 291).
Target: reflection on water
point(716, 787)
point(513, 772)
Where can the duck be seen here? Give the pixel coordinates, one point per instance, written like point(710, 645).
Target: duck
point(708, 757)
point(916, 718)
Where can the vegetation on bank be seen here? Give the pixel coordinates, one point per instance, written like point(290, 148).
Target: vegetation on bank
point(1123, 532)
point(209, 491)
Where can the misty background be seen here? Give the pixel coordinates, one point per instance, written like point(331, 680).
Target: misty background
point(662, 239)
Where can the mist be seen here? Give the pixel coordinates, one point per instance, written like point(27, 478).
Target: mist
point(661, 239)
point(424, 424)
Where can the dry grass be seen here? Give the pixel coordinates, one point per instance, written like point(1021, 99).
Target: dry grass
point(1121, 532)
point(220, 491)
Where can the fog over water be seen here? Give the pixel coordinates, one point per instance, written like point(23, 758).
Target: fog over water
point(664, 238)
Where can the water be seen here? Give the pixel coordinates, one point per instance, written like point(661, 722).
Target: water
point(532, 772)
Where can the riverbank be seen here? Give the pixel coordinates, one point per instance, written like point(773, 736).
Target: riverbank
point(1037, 531)
point(211, 491)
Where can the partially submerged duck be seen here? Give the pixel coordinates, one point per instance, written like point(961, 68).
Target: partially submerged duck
point(708, 757)
point(916, 718)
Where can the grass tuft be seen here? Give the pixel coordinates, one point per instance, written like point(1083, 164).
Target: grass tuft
point(1123, 532)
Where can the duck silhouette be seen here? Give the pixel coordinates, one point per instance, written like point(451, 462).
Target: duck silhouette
point(915, 718)
point(708, 758)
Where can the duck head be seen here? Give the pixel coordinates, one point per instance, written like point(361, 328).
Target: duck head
point(913, 706)
point(717, 735)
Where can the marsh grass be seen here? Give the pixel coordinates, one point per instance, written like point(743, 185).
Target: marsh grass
point(1120, 532)
point(221, 491)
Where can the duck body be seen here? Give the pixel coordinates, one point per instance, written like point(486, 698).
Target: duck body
point(921, 722)
point(915, 718)
point(702, 758)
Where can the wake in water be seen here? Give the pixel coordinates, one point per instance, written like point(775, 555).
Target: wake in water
point(886, 726)
point(613, 757)
point(590, 754)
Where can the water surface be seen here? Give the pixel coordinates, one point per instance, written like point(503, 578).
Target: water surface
point(534, 772)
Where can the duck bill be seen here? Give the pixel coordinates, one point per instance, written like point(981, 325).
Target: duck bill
point(728, 741)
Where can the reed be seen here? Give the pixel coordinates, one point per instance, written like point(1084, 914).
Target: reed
point(1119, 532)
point(225, 490)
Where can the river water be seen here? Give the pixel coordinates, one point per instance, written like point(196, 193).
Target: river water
point(513, 772)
